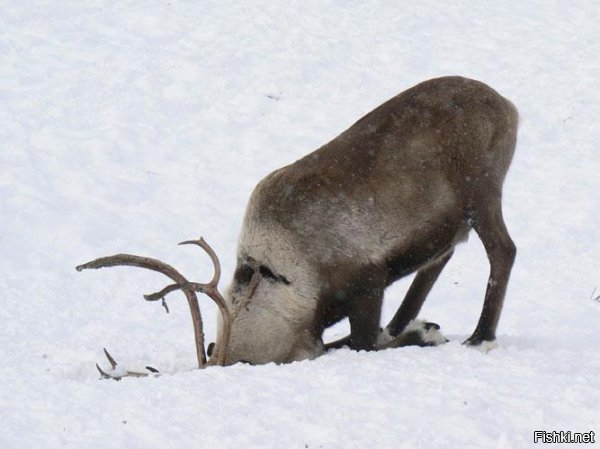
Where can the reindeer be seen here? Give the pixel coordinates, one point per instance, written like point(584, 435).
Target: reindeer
point(323, 237)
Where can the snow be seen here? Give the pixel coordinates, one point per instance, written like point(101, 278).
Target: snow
point(130, 126)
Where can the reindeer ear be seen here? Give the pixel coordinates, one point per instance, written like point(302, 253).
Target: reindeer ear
point(210, 349)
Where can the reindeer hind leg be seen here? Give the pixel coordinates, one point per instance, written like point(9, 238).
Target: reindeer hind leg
point(489, 224)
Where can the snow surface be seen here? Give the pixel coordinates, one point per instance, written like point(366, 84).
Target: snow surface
point(130, 126)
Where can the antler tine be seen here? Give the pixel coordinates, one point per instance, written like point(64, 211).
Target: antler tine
point(212, 291)
point(112, 361)
point(127, 373)
point(213, 257)
point(169, 271)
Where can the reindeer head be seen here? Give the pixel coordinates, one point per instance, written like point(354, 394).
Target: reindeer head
point(252, 328)
point(264, 327)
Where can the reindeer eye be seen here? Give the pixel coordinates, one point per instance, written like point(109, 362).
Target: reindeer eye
point(243, 275)
point(267, 273)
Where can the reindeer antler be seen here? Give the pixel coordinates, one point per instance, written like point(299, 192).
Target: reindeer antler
point(211, 290)
point(188, 288)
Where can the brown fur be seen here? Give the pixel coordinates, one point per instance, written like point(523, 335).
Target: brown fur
point(392, 195)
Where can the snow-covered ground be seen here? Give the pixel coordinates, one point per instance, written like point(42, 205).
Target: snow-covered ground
point(130, 126)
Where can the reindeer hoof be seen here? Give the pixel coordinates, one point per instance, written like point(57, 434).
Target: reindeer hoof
point(430, 326)
point(484, 346)
point(481, 344)
point(424, 333)
point(433, 336)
